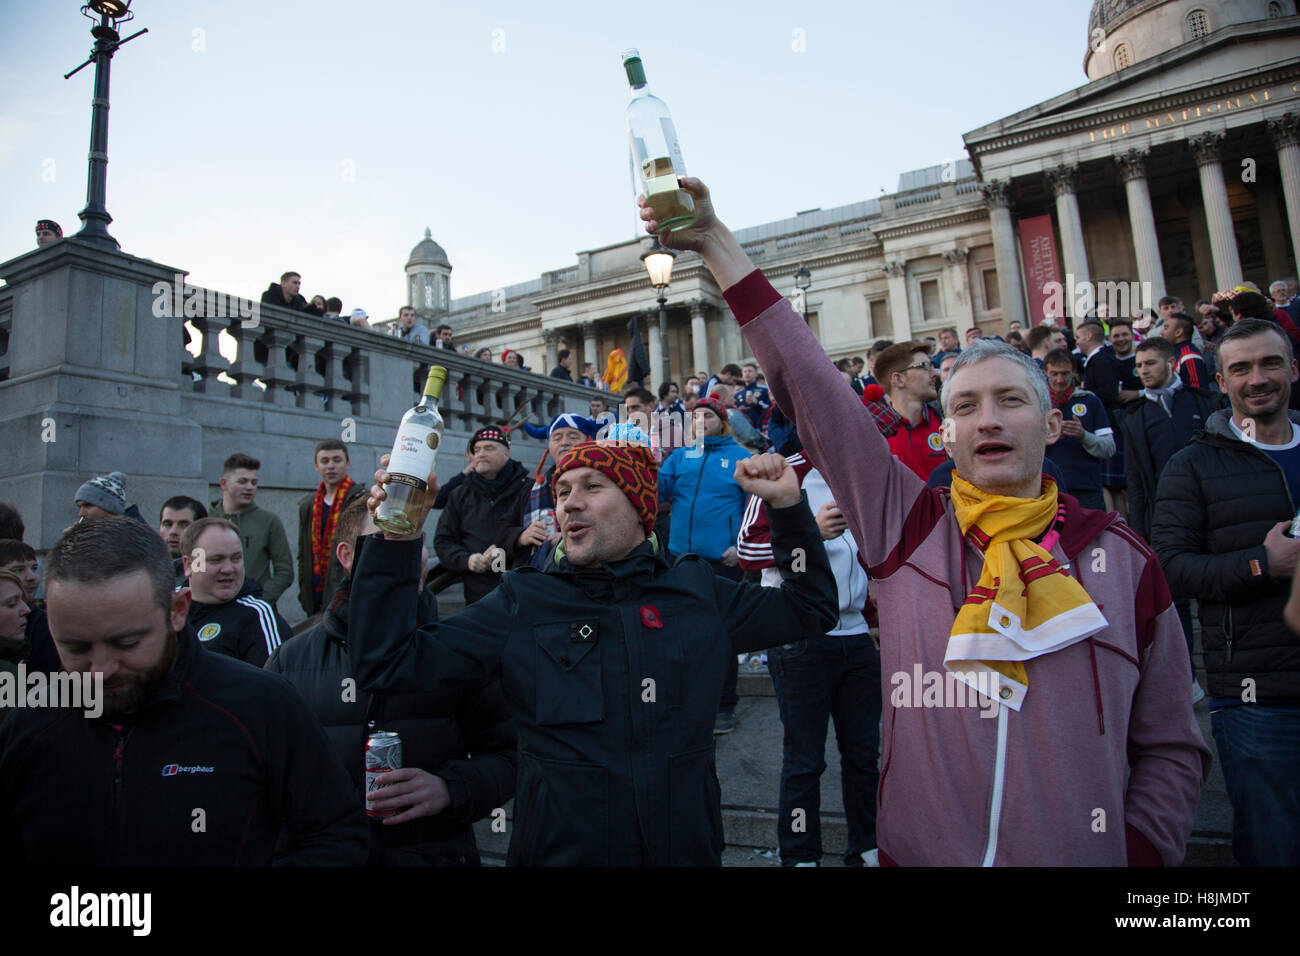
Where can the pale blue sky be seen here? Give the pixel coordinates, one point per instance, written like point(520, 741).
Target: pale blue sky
point(233, 161)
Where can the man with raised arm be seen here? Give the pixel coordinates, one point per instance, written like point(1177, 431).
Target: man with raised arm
point(611, 658)
point(1039, 690)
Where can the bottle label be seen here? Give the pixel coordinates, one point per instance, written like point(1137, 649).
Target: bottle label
point(674, 147)
point(413, 454)
point(661, 184)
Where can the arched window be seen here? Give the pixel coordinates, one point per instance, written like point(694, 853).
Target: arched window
point(1123, 57)
point(1198, 24)
point(1275, 11)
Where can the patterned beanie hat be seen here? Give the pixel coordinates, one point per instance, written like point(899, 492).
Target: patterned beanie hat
point(632, 467)
point(490, 433)
point(105, 491)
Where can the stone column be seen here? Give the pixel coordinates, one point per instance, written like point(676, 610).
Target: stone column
point(650, 322)
point(1285, 133)
point(552, 339)
point(699, 338)
point(589, 355)
point(963, 310)
point(898, 312)
point(733, 347)
point(1208, 149)
point(1064, 181)
point(1011, 287)
point(1146, 244)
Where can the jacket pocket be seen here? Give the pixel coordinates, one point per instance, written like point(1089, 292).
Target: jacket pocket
point(695, 835)
point(564, 820)
point(568, 675)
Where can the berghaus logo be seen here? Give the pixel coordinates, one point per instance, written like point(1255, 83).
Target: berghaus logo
point(172, 769)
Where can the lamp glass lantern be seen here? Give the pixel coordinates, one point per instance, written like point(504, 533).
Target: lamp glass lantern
point(113, 9)
point(659, 264)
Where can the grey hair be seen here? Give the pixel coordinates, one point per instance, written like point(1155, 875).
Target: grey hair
point(981, 350)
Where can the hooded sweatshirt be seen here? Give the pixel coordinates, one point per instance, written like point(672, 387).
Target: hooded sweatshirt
point(1103, 763)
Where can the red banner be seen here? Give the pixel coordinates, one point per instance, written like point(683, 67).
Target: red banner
point(1038, 249)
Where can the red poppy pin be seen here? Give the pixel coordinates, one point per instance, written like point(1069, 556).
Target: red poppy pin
point(650, 616)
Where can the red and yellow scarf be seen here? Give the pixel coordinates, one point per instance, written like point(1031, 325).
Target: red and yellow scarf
point(322, 532)
point(1025, 604)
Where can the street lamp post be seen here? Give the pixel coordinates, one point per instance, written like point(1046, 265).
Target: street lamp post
point(111, 13)
point(802, 281)
point(659, 264)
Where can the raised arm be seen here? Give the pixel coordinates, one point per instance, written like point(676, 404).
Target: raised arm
point(875, 492)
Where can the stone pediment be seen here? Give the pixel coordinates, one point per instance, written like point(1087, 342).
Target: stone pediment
point(1236, 70)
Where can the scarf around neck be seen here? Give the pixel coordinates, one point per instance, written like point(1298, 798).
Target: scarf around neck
point(1025, 604)
point(1059, 399)
point(322, 532)
point(1164, 397)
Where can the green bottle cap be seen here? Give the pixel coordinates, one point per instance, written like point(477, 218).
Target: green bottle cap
point(635, 70)
point(433, 385)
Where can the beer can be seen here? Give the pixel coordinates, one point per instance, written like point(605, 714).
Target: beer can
point(383, 753)
point(1294, 531)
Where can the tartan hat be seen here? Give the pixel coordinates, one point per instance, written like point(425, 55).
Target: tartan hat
point(51, 225)
point(490, 433)
point(713, 404)
point(632, 467)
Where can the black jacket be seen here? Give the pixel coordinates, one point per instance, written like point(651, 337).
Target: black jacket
point(561, 372)
point(1216, 501)
point(1142, 467)
point(475, 518)
point(217, 736)
point(613, 675)
point(439, 734)
point(334, 573)
point(274, 295)
point(246, 628)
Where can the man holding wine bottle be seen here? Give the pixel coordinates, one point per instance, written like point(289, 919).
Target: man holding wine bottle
point(996, 588)
point(611, 659)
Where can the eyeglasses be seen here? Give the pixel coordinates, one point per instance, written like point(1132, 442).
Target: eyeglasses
point(924, 365)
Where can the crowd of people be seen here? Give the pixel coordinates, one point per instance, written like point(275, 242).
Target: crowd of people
point(1006, 539)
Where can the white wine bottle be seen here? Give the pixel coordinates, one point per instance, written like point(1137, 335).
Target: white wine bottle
point(656, 154)
point(411, 461)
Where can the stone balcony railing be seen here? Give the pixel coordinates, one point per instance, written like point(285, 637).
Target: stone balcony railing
point(355, 371)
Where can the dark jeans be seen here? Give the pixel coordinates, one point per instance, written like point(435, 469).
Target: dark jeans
point(1259, 750)
point(823, 678)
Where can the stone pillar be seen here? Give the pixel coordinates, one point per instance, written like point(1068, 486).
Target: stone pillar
point(1142, 220)
point(1285, 133)
point(1208, 148)
point(552, 339)
point(589, 355)
point(1064, 181)
point(733, 346)
point(650, 321)
point(963, 310)
point(1011, 288)
point(699, 338)
point(898, 312)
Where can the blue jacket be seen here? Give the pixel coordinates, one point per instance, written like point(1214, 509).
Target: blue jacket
point(708, 505)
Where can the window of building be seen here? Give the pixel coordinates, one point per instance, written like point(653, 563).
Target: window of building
point(881, 320)
point(1123, 57)
point(1198, 24)
point(992, 294)
point(930, 305)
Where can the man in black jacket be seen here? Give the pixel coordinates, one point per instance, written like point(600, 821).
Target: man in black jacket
point(1161, 424)
point(227, 613)
point(196, 759)
point(479, 531)
point(458, 748)
point(1223, 510)
point(612, 659)
point(285, 294)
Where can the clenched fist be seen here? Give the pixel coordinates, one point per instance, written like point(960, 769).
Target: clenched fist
point(770, 478)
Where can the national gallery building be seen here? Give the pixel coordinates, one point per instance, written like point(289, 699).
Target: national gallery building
point(1176, 165)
